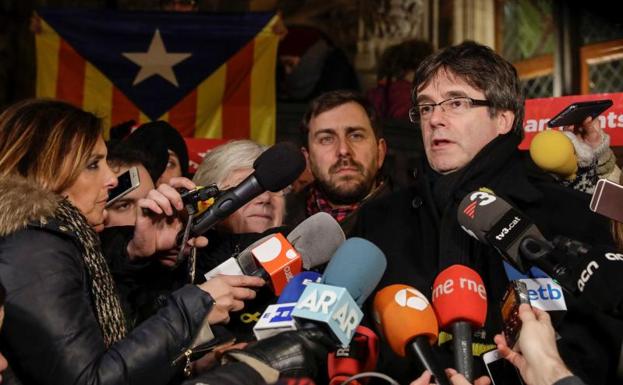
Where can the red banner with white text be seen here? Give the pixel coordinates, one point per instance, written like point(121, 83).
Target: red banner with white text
point(540, 111)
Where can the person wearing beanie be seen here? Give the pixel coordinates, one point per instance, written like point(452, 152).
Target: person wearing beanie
point(151, 138)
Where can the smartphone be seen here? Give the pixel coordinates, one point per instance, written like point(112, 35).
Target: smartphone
point(607, 199)
point(575, 113)
point(516, 294)
point(127, 182)
point(501, 371)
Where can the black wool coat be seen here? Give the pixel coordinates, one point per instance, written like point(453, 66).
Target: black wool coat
point(406, 226)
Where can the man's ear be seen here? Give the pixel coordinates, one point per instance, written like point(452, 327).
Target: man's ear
point(504, 121)
point(381, 151)
point(306, 155)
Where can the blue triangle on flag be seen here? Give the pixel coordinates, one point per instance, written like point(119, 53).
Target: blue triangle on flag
point(103, 37)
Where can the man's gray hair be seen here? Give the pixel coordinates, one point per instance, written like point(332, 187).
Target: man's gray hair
point(221, 161)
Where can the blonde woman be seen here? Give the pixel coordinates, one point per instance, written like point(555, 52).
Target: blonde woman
point(63, 321)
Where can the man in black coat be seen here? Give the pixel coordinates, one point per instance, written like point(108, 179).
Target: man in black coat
point(469, 104)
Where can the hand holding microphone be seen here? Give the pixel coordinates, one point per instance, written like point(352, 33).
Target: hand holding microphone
point(158, 222)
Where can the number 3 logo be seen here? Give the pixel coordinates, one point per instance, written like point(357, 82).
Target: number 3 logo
point(483, 198)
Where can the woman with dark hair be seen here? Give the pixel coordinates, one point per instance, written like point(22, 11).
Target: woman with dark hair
point(64, 324)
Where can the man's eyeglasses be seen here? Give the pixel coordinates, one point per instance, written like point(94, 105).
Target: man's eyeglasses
point(453, 106)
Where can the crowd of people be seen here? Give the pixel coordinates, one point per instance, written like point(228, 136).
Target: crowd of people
point(103, 294)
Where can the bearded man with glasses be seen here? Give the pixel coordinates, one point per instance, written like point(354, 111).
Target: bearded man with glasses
point(469, 104)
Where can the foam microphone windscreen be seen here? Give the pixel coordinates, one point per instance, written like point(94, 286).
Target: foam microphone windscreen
point(279, 166)
point(403, 313)
point(357, 266)
point(317, 239)
point(493, 221)
point(459, 295)
point(553, 152)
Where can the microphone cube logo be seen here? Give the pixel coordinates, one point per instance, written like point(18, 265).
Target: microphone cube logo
point(280, 260)
point(275, 319)
point(545, 294)
point(332, 306)
point(282, 313)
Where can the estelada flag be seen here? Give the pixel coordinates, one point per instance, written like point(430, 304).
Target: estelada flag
point(208, 75)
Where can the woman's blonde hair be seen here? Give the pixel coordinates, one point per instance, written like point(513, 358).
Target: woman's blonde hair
point(47, 141)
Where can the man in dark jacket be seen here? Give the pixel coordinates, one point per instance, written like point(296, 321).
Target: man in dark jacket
point(469, 103)
point(345, 150)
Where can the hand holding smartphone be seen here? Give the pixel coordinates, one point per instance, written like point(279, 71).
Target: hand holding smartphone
point(576, 113)
point(127, 182)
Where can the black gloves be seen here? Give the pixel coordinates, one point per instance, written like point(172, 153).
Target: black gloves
point(300, 353)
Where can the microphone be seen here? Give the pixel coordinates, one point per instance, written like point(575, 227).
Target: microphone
point(241, 264)
point(406, 319)
point(357, 265)
point(493, 221)
point(573, 264)
point(277, 260)
point(349, 278)
point(591, 271)
point(272, 258)
point(316, 239)
point(460, 302)
point(553, 152)
point(361, 356)
point(275, 169)
point(277, 318)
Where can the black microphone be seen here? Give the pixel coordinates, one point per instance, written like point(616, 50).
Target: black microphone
point(275, 169)
point(573, 264)
point(493, 221)
point(588, 271)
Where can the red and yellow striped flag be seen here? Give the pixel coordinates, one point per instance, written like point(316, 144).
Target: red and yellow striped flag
point(219, 82)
